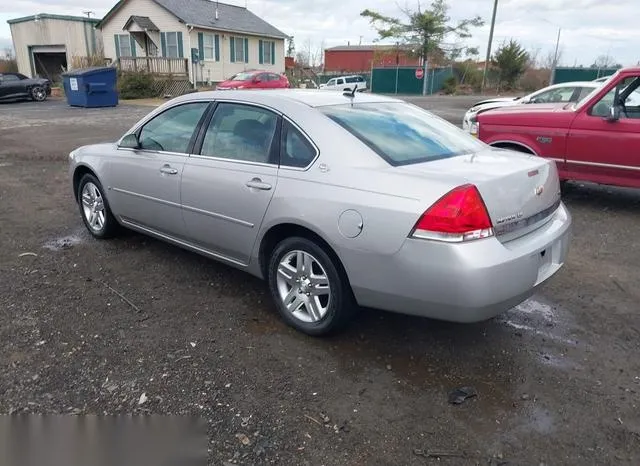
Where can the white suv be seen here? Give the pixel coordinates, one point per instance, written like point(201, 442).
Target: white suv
point(345, 83)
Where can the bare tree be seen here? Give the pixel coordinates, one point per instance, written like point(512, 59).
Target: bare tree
point(302, 58)
point(548, 60)
point(534, 55)
point(604, 61)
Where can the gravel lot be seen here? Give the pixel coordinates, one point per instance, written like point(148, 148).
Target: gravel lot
point(87, 327)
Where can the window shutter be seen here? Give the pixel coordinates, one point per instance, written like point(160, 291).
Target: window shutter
point(246, 50)
point(260, 52)
point(132, 41)
point(116, 39)
point(273, 53)
point(163, 43)
point(180, 49)
point(232, 48)
point(201, 46)
point(217, 46)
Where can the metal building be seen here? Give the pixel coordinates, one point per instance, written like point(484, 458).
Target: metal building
point(45, 44)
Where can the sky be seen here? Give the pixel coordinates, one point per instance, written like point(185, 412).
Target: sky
point(589, 28)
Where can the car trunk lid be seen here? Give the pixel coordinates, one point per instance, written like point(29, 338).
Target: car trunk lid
point(521, 192)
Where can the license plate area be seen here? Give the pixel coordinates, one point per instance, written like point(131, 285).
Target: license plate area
point(548, 260)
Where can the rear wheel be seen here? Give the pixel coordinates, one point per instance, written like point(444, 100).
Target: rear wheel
point(308, 287)
point(38, 93)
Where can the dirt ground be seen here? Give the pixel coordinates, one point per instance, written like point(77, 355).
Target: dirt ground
point(88, 327)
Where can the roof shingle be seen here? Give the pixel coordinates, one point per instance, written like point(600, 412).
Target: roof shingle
point(230, 17)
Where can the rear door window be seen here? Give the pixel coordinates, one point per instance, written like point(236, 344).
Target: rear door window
point(241, 132)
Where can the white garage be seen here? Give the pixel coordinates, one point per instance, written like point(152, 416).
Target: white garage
point(45, 44)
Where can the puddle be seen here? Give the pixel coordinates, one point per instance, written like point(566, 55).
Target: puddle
point(538, 420)
point(559, 362)
point(65, 242)
point(538, 318)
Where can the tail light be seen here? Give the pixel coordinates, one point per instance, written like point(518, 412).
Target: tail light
point(460, 215)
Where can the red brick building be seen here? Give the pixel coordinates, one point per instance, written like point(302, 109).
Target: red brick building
point(360, 58)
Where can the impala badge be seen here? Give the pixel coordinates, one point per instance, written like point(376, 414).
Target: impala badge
point(539, 190)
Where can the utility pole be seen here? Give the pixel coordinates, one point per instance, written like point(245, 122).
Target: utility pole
point(555, 60)
point(426, 67)
point(486, 62)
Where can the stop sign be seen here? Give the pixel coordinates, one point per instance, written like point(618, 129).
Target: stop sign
point(419, 73)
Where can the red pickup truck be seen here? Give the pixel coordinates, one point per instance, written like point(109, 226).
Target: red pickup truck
point(596, 139)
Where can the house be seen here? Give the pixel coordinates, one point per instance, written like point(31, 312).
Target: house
point(361, 58)
point(206, 41)
point(45, 45)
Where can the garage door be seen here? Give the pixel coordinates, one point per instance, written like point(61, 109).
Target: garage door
point(49, 61)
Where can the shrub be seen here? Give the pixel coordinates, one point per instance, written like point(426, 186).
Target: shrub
point(450, 85)
point(136, 85)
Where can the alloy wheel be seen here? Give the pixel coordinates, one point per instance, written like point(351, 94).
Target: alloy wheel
point(93, 207)
point(303, 286)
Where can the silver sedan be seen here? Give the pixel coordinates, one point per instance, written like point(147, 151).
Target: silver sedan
point(338, 201)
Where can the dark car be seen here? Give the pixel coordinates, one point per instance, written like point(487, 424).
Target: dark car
point(14, 86)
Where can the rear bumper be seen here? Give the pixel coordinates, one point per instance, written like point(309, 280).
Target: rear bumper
point(468, 282)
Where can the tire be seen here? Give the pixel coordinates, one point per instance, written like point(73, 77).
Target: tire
point(38, 93)
point(323, 300)
point(94, 208)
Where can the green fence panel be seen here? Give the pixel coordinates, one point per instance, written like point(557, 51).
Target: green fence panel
point(564, 75)
point(402, 80)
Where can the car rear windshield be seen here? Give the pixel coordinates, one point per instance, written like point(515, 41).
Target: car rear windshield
point(401, 133)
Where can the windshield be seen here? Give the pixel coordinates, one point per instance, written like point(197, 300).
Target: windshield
point(401, 133)
point(244, 76)
point(595, 91)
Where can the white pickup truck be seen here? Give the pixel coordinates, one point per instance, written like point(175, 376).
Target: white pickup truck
point(345, 83)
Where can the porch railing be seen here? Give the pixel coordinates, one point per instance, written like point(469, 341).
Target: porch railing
point(155, 65)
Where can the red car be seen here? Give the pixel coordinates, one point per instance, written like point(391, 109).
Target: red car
point(255, 80)
point(596, 139)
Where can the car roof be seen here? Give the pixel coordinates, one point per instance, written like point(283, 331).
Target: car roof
point(574, 83)
point(309, 97)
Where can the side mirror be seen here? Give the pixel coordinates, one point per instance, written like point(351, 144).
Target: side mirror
point(130, 141)
point(257, 80)
point(614, 114)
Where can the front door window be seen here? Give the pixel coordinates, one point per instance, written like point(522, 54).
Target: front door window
point(172, 130)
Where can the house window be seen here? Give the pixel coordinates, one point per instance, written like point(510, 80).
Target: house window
point(267, 47)
point(124, 45)
point(209, 46)
point(172, 44)
point(238, 49)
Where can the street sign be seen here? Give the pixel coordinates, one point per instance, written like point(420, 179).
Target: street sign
point(419, 73)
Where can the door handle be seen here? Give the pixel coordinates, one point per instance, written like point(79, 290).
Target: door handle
point(257, 183)
point(167, 170)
